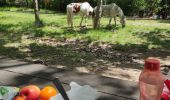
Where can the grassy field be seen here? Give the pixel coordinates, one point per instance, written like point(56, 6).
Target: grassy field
point(56, 44)
point(136, 32)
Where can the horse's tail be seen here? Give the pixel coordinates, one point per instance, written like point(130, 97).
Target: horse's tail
point(68, 16)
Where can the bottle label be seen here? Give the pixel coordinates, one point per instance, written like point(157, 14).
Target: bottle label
point(151, 89)
point(150, 92)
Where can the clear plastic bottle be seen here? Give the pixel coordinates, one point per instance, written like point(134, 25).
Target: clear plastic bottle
point(151, 81)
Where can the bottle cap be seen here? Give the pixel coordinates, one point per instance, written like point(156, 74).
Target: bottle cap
point(152, 64)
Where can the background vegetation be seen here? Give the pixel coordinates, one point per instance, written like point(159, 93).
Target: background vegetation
point(130, 7)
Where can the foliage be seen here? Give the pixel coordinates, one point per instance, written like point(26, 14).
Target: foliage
point(139, 4)
point(3, 2)
point(130, 7)
point(164, 9)
point(153, 6)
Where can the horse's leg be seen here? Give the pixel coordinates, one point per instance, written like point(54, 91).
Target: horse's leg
point(71, 21)
point(86, 21)
point(110, 21)
point(81, 21)
point(115, 20)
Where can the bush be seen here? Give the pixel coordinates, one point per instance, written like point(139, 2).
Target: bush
point(3, 2)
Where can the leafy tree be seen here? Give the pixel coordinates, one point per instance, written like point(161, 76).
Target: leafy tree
point(152, 6)
point(139, 6)
point(165, 8)
point(130, 7)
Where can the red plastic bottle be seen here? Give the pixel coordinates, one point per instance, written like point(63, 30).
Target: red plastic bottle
point(151, 81)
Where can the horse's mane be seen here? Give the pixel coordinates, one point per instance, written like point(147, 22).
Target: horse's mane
point(117, 8)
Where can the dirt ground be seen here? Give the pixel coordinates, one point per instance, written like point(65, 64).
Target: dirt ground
point(107, 59)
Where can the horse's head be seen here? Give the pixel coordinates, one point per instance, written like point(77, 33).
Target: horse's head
point(94, 12)
point(90, 10)
point(123, 21)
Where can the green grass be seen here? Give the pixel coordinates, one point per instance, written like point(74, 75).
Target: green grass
point(56, 27)
point(22, 9)
point(14, 25)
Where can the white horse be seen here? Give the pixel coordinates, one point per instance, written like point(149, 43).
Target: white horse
point(84, 9)
point(113, 10)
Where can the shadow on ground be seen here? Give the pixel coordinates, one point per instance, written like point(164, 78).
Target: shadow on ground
point(95, 56)
point(92, 54)
point(109, 88)
point(164, 21)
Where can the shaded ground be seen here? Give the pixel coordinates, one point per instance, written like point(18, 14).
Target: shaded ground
point(19, 73)
point(112, 60)
point(110, 52)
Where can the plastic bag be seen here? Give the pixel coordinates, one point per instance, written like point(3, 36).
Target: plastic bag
point(78, 92)
point(8, 93)
point(166, 90)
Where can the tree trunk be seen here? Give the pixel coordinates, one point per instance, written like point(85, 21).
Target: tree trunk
point(98, 15)
point(105, 2)
point(38, 22)
point(26, 3)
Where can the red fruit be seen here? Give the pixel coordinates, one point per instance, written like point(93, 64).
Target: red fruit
point(30, 92)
